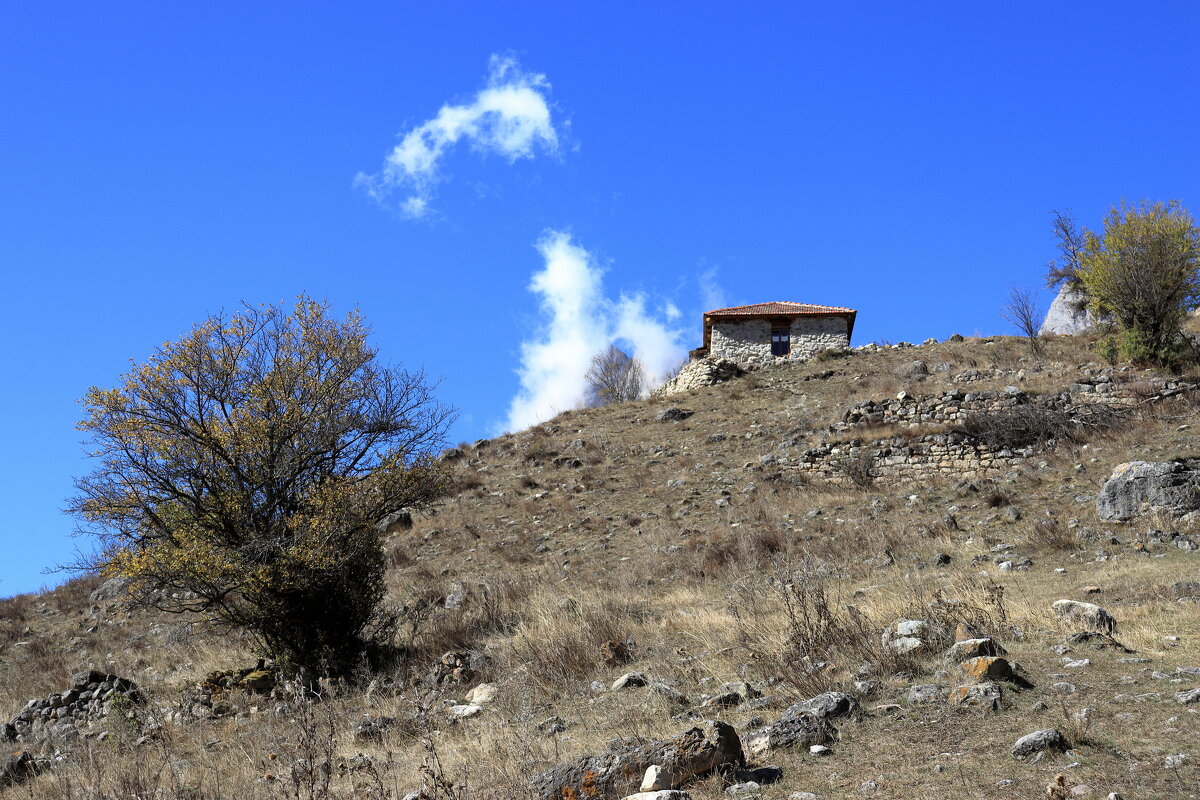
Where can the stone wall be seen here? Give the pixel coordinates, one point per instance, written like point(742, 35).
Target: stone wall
point(907, 409)
point(948, 454)
point(956, 454)
point(748, 342)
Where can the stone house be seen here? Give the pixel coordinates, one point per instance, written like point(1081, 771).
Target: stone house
point(769, 333)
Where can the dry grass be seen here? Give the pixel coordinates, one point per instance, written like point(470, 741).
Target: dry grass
point(785, 583)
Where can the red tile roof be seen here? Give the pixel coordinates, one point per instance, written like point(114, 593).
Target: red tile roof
point(777, 307)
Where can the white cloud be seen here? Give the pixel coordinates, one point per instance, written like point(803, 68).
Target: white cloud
point(510, 117)
point(553, 363)
point(579, 322)
point(658, 347)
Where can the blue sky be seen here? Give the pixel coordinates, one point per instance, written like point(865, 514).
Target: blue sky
point(159, 161)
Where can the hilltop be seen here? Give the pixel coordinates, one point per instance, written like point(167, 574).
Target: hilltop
point(822, 530)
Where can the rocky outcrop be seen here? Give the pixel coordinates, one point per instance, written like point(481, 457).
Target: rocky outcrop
point(700, 372)
point(1136, 487)
point(1068, 314)
point(621, 770)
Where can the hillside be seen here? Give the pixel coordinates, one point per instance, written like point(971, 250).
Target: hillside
point(721, 562)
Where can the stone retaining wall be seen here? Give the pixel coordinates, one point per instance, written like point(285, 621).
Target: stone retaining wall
point(947, 454)
point(956, 454)
point(907, 409)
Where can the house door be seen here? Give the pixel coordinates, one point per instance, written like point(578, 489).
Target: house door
point(781, 340)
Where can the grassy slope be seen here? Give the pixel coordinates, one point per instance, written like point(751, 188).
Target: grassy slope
point(560, 559)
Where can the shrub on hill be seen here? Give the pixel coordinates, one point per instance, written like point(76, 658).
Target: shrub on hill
point(244, 470)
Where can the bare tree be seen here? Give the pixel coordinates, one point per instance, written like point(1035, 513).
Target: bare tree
point(614, 377)
point(1072, 242)
point(1023, 312)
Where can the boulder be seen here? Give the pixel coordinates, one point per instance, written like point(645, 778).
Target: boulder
point(914, 371)
point(1041, 741)
point(630, 680)
point(926, 694)
point(1090, 615)
point(989, 695)
point(987, 668)
point(109, 591)
point(396, 522)
point(796, 728)
point(673, 415)
point(974, 648)
point(668, 794)
point(1139, 486)
point(619, 772)
point(1188, 697)
point(483, 694)
point(830, 705)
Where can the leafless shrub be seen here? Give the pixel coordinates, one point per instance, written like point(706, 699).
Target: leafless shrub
point(1049, 533)
point(975, 601)
point(858, 469)
point(997, 498)
point(753, 549)
point(1023, 313)
point(819, 639)
point(1035, 425)
point(560, 640)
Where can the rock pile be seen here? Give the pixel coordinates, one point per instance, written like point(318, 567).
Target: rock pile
point(700, 372)
point(212, 696)
point(89, 700)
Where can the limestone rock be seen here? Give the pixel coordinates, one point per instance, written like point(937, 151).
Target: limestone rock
point(396, 522)
point(619, 772)
point(1068, 314)
point(700, 372)
point(796, 728)
point(1039, 741)
point(830, 705)
point(483, 694)
point(986, 668)
point(987, 694)
point(109, 591)
point(926, 694)
point(1139, 486)
point(630, 680)
point(668, 794)
point(907, 636)
point(1088, 614)
point(974, 648)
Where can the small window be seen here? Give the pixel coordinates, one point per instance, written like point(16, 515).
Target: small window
point(781, 341)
